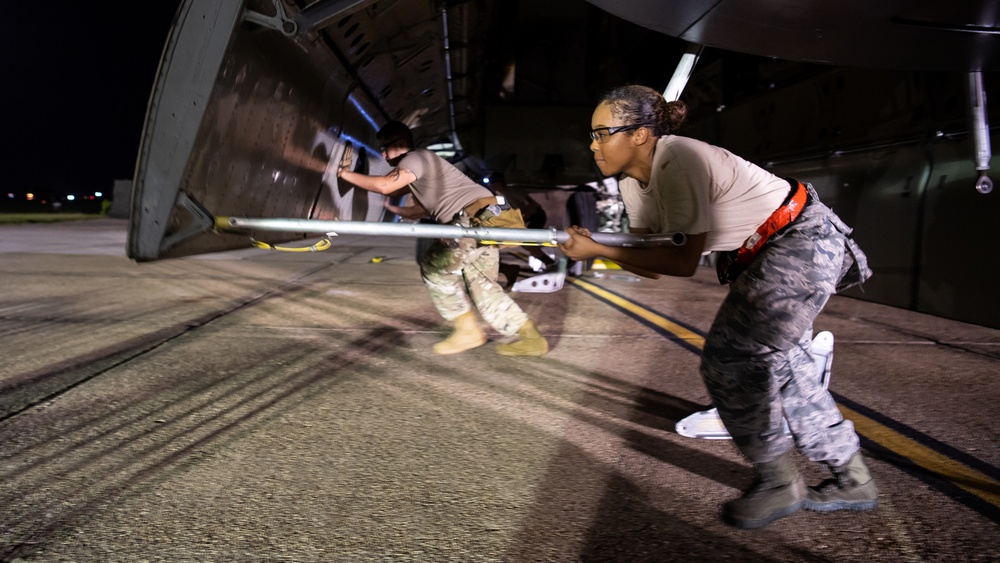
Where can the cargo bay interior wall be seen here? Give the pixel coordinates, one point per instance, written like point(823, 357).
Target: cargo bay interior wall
point(890, 151)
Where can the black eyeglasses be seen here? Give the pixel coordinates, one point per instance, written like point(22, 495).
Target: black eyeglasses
point(601, 134)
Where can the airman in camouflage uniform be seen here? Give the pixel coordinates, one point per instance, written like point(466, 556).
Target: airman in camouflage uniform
point(791, 254)
point(758, 371)
point(461, 274)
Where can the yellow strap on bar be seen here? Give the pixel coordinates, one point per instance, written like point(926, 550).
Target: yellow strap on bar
point(321, 245)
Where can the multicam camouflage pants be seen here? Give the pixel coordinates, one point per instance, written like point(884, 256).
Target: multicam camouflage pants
point(461, 274)
point(757, 360)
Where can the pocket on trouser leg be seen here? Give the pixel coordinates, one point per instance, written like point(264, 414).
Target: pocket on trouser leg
point(440, 257)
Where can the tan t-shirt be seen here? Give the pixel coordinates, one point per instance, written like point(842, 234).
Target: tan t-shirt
point(440, 188)
point(696, 188)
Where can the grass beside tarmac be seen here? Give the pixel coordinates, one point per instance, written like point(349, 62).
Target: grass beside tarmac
point(21, 218)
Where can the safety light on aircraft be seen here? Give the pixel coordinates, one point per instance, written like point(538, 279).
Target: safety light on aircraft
point(10, 195)
point(98, 194)
point(30, 197)
point(70, 197)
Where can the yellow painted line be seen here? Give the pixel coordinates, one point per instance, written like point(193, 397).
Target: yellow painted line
point(966, 478)
point(672, 327)
point(979, 484)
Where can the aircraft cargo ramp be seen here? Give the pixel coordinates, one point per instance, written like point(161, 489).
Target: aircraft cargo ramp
point(256, 405)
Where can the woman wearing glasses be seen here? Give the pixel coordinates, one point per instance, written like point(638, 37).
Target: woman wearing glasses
point(783, 254)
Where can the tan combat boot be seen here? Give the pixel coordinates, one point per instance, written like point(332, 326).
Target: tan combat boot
point(850, 488)
point(530, 343)
point(467, 335)
point(778, 492)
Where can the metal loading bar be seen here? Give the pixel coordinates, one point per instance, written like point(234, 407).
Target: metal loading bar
point(543, 237)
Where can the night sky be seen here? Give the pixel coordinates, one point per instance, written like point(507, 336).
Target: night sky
point(77, 77)
point(76, 80)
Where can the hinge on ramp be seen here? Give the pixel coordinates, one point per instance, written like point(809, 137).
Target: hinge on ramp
point(280, 21)
point(201, 221)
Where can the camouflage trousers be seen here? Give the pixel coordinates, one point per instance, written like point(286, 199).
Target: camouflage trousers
point(461, 274)
point(757, 360)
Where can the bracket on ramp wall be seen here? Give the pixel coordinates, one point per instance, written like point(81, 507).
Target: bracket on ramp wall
point(201, 221)
point(280, 21)
point(980, 131)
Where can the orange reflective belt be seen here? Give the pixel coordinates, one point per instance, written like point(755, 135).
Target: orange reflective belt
point(778, 220)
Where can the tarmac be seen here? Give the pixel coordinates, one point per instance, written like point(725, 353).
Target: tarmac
point(256, 405)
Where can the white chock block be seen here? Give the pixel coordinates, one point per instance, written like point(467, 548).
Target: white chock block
point(707, 425)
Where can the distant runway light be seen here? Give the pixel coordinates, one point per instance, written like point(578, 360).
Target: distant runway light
point(98, 194)
point(70, 197)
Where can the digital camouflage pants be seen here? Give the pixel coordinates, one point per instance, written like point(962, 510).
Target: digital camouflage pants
point(757, 360)
point(462, 275)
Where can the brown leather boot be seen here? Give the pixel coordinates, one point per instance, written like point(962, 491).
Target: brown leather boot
point(467, 335)
point(850, 488)
point(530, 343)
point(778, 492)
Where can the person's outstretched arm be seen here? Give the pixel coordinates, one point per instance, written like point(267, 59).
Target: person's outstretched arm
point(679, 261)
point(395, 180)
